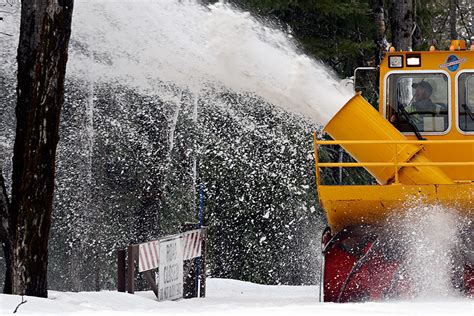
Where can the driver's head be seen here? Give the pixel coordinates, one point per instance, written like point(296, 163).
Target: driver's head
point(423, 90)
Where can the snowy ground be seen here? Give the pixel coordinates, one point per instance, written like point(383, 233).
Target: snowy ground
point(226, 296)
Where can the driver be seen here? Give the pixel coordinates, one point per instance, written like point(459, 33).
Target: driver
point(422, 103)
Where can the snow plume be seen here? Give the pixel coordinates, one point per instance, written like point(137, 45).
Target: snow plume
point(429, 236)
point(146, 43)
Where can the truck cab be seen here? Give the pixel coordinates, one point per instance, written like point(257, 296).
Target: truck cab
point(444, 81)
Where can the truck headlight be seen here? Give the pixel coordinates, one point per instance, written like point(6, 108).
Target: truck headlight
point(413, 61)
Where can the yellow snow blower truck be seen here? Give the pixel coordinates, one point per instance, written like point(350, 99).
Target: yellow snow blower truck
point(418, 145)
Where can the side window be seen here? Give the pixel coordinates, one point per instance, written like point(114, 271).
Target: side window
point(466, 102)
point(366, 81)
point(418, 102)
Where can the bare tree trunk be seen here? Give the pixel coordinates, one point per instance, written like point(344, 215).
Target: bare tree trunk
point(379, 22)
point(417, 36)
point(5, 237)
point(401, 18)
point(453, 19)
point(42, 56)
point(472, 21)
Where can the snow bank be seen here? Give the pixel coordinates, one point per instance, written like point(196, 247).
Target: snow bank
point(224, 296)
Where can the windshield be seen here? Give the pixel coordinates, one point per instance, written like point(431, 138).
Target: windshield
point(418, 102)
point(466, 102)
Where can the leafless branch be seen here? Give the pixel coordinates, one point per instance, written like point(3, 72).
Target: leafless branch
point(22, 302)
point(7, 2)
point(463, 21)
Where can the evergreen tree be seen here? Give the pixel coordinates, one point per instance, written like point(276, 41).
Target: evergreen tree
point(339, 33)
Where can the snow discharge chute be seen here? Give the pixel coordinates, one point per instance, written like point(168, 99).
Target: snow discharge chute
point(359, 121)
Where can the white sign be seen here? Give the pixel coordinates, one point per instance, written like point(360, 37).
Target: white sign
point(170, 270)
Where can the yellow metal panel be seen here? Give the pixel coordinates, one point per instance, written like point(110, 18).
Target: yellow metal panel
point(355, 205)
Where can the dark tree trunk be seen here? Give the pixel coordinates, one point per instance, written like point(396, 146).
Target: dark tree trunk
point(417, 36)
point(5, 237)
point(7, 253)
point(452, 19)
point(401, 18)
point(379, 36)
point(42, 56)
point(472, 23)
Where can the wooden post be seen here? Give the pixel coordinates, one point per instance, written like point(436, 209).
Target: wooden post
point(202, 290)
point(131, 269)
point(121, 270)
point(151, 281)
point(189, 282)
point(97, 280)
point(189, 269)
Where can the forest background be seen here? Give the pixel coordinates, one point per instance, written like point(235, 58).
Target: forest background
point(129, 166)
